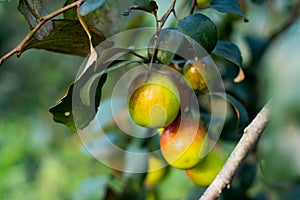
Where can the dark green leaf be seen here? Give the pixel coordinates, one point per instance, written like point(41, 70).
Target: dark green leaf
point(257, 46)
point(150, 7)
point(200, 28)
point(67, 36)
point(231, 52)
point(89, 6)
point(241, 112)
point(166, 47)
point(79, 106)
point(259, 1)
point(228, 6)
point(71, 111)
point(70, 14)
point(62, 112)
point(228, 51)
point(87, 87)
point(38, 6)
point(142, 3)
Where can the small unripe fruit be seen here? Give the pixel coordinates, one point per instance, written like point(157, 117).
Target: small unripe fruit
point(155, 101)
point(183, 142)
point(206, 170)
point(193, 72)
point(156, 171)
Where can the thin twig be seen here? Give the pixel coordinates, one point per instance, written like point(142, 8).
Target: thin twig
point(155, 40)
point(159, 25)
point(194, 3)
point(18, 49)
point(250, 137)
point(167, 14)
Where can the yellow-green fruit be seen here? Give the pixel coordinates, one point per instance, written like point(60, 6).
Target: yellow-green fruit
point(193, 72)
point(154, 102)
point(206, 170)
point(203, 3)
point(183, 142)
point(156, 171)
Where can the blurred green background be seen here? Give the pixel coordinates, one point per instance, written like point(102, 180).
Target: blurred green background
point(41, 159)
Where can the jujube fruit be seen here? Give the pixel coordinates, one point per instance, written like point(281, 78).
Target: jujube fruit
point(154, 101)
point(208, 168)
point(194, 73)
point(156, 171)
point(182, 143)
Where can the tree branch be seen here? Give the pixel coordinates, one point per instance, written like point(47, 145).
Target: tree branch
point(18, 49)
point(167, 14)
point(250, 137)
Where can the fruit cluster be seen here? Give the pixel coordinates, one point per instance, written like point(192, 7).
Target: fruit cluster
point(155, 99)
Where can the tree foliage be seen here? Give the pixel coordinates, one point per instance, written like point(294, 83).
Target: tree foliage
point(253, 53)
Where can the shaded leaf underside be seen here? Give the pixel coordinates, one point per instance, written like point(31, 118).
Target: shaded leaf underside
point(67, 36)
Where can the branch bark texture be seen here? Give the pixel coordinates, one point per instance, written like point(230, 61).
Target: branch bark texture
point(42, 20)
point(250, 137)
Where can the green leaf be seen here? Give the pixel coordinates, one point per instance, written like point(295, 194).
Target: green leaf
point(141, 2)
point(89, 6)
point(71, 111)
point(67, 36)
point(232, 53)
point(166, 47)
point(119, 65)
point(107, 18)
point(228, 6)
point(228, 51)
point(86, 88)
point(71, 13)
point(114, 53)
point(149, 6)
point(200, 28)
point(259, 1)
point(241, 112)
point(257, 46)
point(79, 106)
point(38, 6)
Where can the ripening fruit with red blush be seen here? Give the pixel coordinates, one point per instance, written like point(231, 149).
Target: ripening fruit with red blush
point(183, 142)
